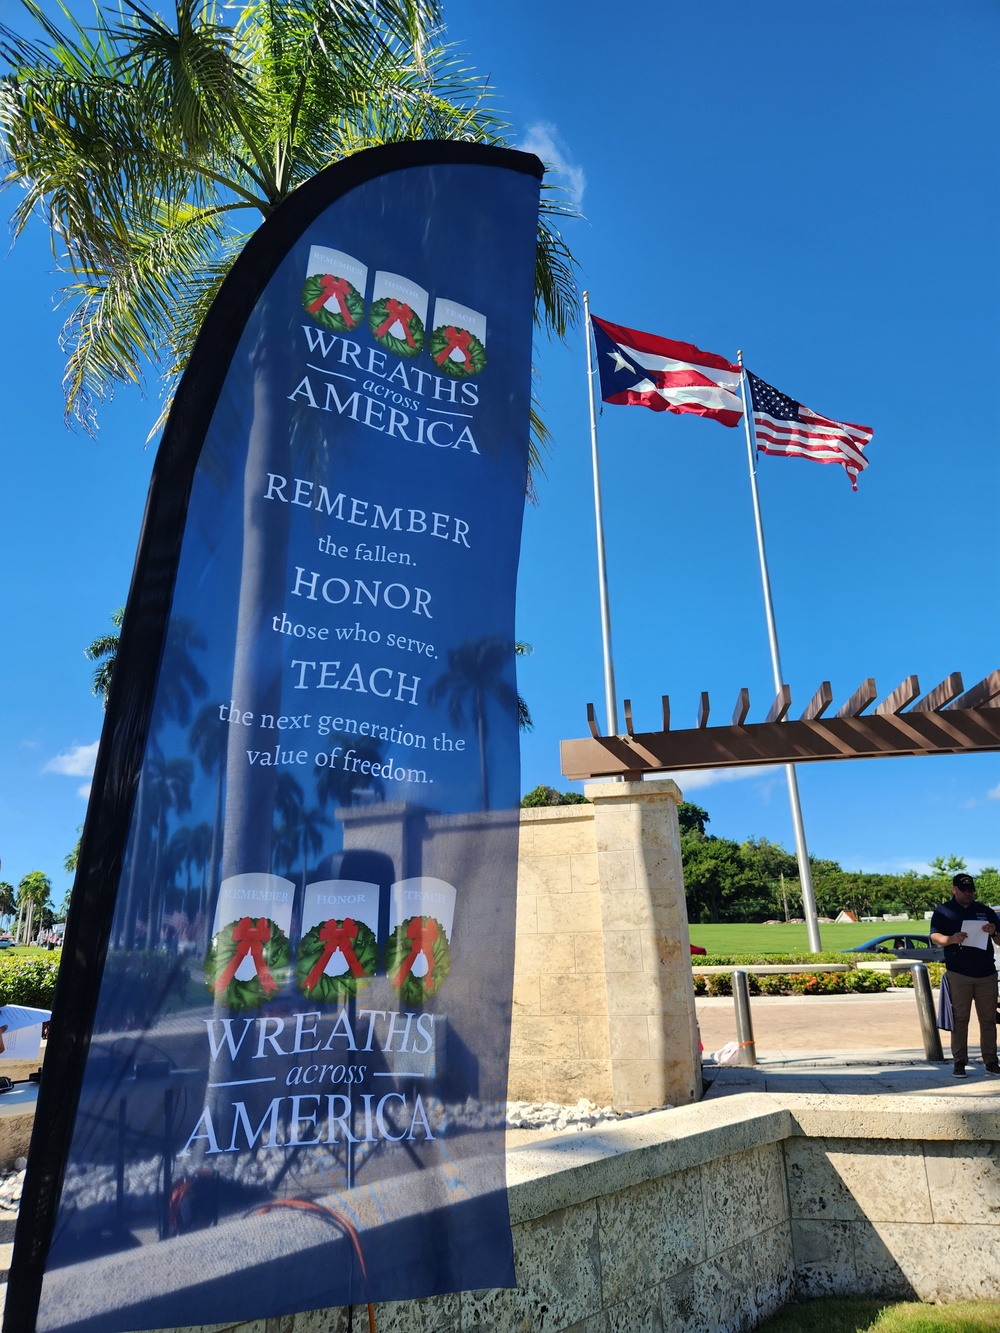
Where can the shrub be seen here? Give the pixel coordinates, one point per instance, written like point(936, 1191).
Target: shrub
point(797, 983)
point(935, 971)
point(139, 984)
point(29, 979)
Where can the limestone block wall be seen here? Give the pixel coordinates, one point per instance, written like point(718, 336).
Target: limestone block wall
point(711, 1218)
point(603, 995)
point(560, 1048)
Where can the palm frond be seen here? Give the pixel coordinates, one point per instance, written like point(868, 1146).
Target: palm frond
point(136, 139)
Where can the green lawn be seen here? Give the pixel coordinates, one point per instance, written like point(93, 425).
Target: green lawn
point(869, 1315)
point(755, 938)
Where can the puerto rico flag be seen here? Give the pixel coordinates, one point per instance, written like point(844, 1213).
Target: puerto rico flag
point(641, 369)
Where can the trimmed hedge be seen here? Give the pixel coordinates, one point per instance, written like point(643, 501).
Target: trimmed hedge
point(147, 981)
point(860, 982)
point(29, 979)
point(798, 983)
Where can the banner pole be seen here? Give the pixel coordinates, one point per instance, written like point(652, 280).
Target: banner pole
point(801, 850)
point(610, 699)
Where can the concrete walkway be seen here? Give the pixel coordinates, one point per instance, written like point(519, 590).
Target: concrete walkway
point(849, 1044)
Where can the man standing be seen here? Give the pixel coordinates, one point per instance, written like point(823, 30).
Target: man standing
point(965, 929)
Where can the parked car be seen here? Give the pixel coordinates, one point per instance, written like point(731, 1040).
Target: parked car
point(6, 944)
point(696, 948)
point(917, 947)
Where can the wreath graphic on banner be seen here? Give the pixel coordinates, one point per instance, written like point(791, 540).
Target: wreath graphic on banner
point(359, 947)
point(351, 306)
point(447, 339)
point(387, 313)
point(266, 943)
point(413, 937)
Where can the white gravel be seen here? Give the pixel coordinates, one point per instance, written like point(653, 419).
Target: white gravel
point(557, 1119)
point(143, 1175)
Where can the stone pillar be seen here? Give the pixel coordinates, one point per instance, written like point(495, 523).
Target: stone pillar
point(647, 957)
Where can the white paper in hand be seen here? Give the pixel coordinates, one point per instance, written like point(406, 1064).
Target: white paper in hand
point(975, 934)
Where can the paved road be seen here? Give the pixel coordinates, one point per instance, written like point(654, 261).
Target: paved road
point(850, 1044)
point(816, 1023)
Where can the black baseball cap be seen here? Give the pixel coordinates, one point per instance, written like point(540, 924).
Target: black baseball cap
point(964, 883)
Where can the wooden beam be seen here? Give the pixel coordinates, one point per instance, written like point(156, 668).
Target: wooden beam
point(865, 694)
point(703, 709)
point(628, 717)
point(665, 699)
point(595, 730)
point(981, 695)
point(953, 731)
point(950, 688)
point(901, 697)
point(742, 708)
point(819, 703)
point(781, 705)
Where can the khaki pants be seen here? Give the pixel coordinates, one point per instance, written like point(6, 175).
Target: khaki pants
point(964, 992)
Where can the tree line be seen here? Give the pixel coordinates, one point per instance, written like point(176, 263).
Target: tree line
point(758, 880)
point(31, 904)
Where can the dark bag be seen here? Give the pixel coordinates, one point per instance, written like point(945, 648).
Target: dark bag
point(944, 1019)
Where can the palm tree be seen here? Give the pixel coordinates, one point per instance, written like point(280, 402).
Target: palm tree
point(147, 146)
point(524, 722)
point(208, 742)
point(169, 782)
point(337, 785)
point(104, 651)
point(180, 681)
point(33, 894)
point(8, 901)
point(473, 677)
point(201, 841)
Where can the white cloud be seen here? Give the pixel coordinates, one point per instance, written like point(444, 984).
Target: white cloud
point(544, 139)
point(696, 779)
point(76, 762)
point(84, 791)
point(994, 793)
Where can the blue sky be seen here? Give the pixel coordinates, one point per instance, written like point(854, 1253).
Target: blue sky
point(817, 185)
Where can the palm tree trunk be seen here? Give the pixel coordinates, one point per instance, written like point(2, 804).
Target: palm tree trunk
point(257, 664)
point(132, 894)
point(481, 737)
point(211, 897)
point(154, 913)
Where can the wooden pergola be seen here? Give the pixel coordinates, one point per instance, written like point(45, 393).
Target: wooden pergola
point(947, 720)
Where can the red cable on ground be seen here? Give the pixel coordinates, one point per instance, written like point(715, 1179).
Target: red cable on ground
point(335, 1218)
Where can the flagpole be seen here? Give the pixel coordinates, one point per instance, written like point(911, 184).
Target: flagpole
point(801, 851)
point(610, 700)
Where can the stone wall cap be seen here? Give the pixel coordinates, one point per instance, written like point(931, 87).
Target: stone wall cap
point(572, 1168)
point(554, 814)
point(632, 791)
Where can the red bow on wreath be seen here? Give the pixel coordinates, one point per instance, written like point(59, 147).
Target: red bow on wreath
point(455, 340)
point(330, 286)
point(422, 939)
point(249, 939)
point(336, 937)
point(396, 310)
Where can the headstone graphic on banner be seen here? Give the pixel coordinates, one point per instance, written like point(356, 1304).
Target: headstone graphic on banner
point(276, 1076)
point(398, 315)
point(334, 290)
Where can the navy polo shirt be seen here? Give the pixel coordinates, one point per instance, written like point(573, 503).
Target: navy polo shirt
point(949, 918)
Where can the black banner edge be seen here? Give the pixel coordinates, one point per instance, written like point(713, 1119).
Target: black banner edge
point(128, 715)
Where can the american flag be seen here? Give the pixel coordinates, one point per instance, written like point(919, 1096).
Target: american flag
point(783, 426)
